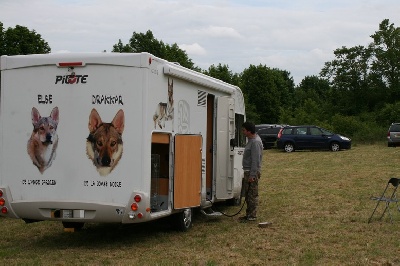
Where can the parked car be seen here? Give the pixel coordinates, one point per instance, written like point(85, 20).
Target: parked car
point(260, 126)
point(293, 138)
point(393, 135)
point(269, 134)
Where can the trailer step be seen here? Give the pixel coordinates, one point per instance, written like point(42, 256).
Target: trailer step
point(212, 213)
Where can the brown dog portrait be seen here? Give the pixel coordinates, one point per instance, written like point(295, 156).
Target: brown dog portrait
point(104, 144)
point(43, 142)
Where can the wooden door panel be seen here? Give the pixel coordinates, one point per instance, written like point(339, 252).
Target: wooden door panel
point(187, 171)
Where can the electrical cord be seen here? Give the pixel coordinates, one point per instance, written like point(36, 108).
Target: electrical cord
point(241, 208)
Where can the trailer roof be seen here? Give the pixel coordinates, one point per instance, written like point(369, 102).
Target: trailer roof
point(198, 78)
point(118, 59)
point(122, 59)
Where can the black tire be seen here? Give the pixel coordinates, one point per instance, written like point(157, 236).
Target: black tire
point(76, 225)
point(335, 146)
point(183, 220)
point(288, 147)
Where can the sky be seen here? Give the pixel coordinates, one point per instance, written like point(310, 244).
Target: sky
point(297, 36)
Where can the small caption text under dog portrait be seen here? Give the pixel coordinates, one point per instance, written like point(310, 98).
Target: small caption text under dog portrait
point(99, 183)
point(39, 182)
point(86, 183)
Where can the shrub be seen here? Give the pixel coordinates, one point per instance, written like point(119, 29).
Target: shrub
point(360, 131)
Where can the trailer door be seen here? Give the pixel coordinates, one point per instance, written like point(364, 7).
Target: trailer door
point(187, 171)
point(225, 130)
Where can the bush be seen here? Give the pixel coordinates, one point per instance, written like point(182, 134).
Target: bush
point(360, 131)
point(389, 114)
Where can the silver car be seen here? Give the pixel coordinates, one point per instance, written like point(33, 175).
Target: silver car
point(393, 135)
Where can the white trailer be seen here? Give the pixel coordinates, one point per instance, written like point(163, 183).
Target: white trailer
point(107, 137)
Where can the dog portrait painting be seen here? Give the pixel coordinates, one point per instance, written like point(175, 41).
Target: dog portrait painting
point(43, 142)
point(165, 110)
point(104, 144)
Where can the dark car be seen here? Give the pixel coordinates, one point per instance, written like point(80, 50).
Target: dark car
point(293, 138)
point(393, 135)
point(269, 134)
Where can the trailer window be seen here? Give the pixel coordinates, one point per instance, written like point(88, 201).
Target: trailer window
point(240, 138)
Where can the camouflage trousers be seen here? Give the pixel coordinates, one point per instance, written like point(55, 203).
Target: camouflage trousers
point(250, 192)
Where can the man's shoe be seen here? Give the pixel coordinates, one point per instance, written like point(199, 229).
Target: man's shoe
point(247, 218)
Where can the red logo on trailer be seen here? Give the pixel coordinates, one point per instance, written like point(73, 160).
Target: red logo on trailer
point(71, 78)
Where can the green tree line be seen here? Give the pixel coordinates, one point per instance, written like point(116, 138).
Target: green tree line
point(356, 94)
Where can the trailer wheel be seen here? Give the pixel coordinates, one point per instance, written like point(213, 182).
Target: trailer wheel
point(184, 220)
point(76, 225)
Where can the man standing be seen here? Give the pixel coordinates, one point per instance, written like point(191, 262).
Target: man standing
point(252, 159)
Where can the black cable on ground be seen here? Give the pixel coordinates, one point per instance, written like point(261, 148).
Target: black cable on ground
point(241, 208)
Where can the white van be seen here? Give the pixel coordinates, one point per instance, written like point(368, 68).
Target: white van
point(108, 137)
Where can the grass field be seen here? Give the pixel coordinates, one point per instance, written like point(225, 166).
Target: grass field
point(318, 203)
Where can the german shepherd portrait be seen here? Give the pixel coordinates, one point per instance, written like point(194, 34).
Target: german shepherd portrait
point(165, 111)
point(43, 142)
point(104, 144)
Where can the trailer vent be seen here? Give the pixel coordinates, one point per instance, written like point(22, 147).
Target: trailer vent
point(201, 98)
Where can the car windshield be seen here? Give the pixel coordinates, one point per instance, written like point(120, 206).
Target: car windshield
point(326, 132)
point(395, 128)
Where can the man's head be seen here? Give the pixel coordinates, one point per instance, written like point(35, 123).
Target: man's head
point(248, 127)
